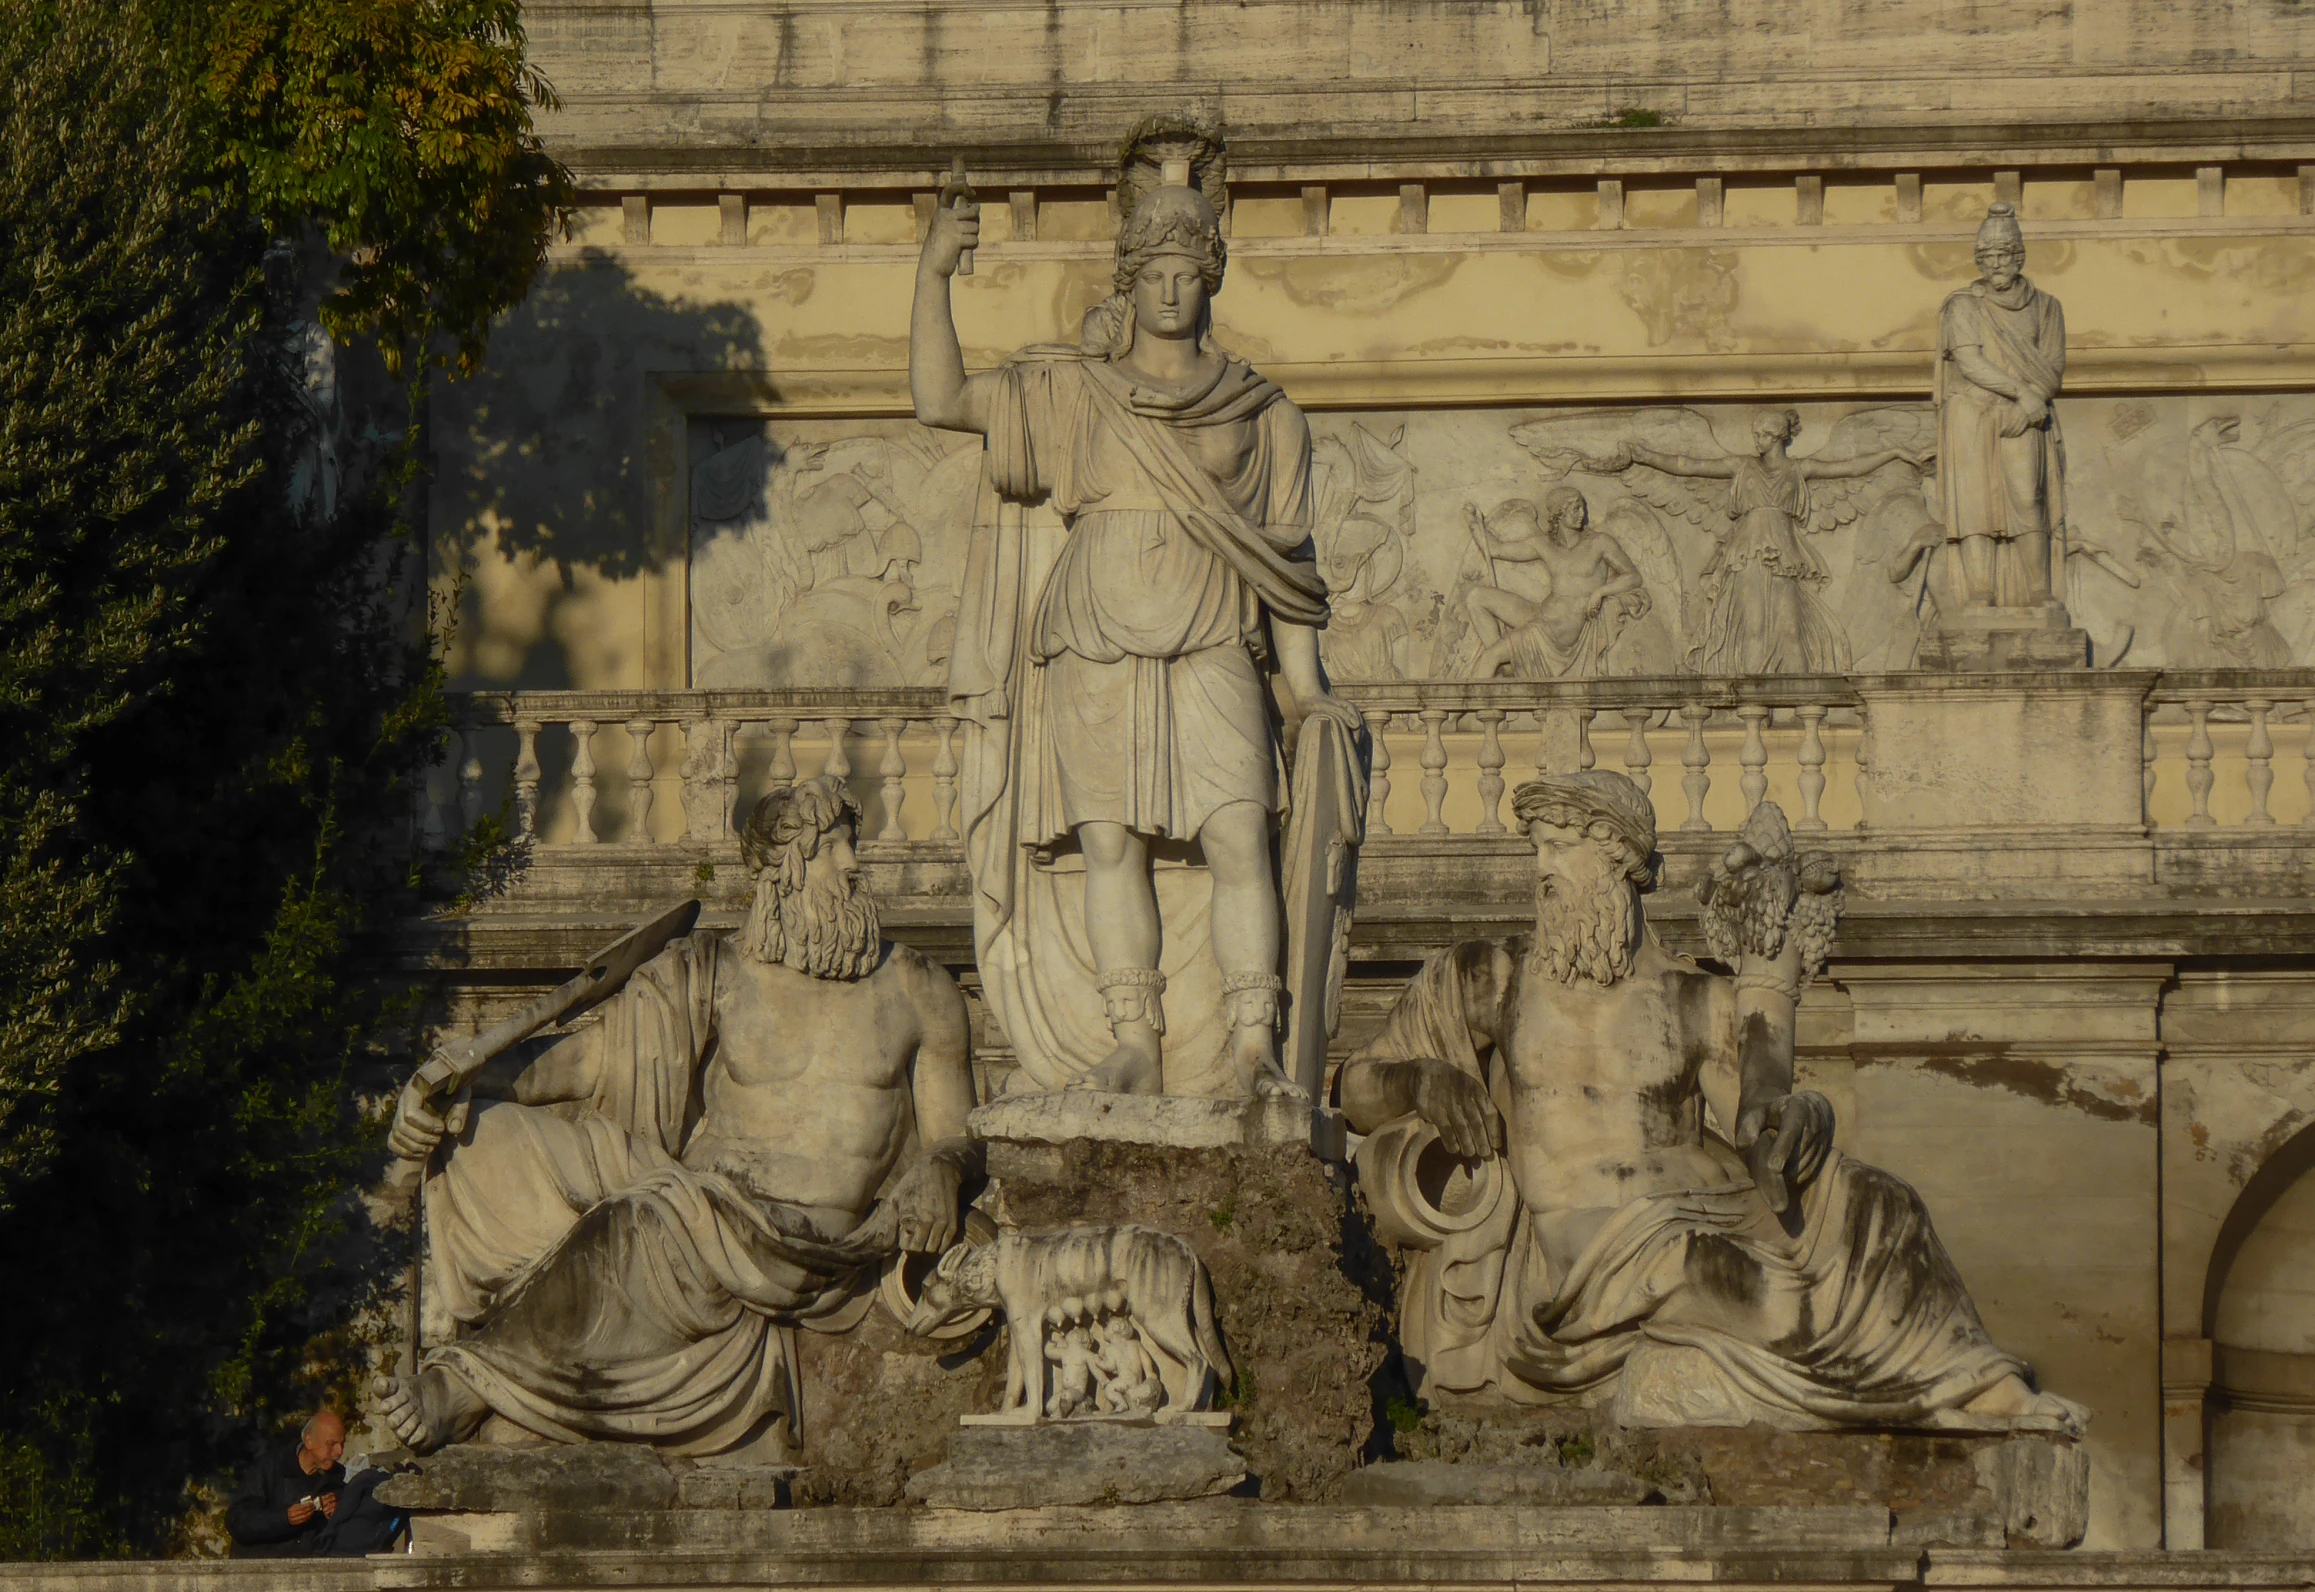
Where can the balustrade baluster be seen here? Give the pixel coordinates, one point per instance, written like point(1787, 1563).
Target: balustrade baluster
point(2198, 765)
point(944, 782)
point(2260, 749)
point(1378, 727)
point(894, 772)
point(433, 834)
point(1585, 758)
point(782, 772)
point(1434, 771)
point(639, 777)
point(1812, 761)
point(1696, 757)
point(2148, 752)
point(1754, 756)
point(727, 817)
point(701, 776)
point(2307, 760)
point(839, 764)
point(470, 781)
point(1490, 771)
point(583, 780)
point(526, 777)
point(1636, 756)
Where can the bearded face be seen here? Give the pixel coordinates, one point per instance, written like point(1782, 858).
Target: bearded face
point(826, 927)
point(1587, 914)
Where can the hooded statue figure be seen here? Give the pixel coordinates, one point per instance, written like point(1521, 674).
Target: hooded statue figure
point(2001, 466)
point(1140, 563)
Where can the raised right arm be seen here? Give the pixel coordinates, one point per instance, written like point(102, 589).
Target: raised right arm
point(944, 395)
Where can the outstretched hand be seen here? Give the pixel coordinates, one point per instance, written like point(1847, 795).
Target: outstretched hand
point(1786, 1140)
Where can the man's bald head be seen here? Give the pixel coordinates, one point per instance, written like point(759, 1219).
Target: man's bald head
point(321, 1441)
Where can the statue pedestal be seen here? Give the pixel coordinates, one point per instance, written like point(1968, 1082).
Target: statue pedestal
point(1177, 1121)
point(1982, 640)
point(1300, 1293)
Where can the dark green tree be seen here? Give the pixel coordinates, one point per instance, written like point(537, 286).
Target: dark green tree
point(215, 684)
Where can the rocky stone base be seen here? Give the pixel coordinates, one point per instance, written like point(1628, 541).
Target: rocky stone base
point(1301, 1292)
point(1078, 1462)
point(1961, 1490)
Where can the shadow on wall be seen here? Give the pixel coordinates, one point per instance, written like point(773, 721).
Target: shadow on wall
point(548, 466)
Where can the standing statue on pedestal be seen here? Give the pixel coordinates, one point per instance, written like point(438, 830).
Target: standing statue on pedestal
point(2001, 465)
point(1141, 561)
point(1579, 1228)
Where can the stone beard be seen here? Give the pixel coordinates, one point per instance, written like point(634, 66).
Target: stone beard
point(1587, 927)
point(828, 929)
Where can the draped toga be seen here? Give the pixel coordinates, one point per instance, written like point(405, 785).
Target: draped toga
point(1762, 614)
point(1996, 475)
point(609, 1290)
point(1858, 1317)
point(1129, 542)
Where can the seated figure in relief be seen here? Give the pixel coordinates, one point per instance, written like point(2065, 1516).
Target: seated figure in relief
point(1593, 1236)
point(634, 1221)
point(1592, 589)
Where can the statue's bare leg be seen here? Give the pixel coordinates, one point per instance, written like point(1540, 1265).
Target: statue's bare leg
point(1236, 841)
point(1121, 919)
point(432, 1409)
point(1494, 611)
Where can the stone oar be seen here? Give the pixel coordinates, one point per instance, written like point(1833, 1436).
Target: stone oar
point(453, 1067)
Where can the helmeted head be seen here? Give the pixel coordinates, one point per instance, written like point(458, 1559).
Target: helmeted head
point(809, 911)
point(1595, 852)
point(1170, 253)
point(2001, 246)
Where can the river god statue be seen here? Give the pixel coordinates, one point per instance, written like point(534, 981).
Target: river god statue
point(1578, 1228)
point(625, 1235)
point(1142, 562)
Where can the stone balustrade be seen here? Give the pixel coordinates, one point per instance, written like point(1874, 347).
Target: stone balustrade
point(2221, 750)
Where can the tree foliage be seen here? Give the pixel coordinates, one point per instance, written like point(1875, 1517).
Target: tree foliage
point(213, 694)
point(402, 128)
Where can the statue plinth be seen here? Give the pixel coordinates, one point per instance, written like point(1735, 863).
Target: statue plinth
point(1176, 1121)
point(1985, 639)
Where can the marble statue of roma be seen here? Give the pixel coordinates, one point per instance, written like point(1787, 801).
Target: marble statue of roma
point(2001, 464)
point(1593, 590)
point(1608, 1187)
point(1141, 561)
point(637, 1216)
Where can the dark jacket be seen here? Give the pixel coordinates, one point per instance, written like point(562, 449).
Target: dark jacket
point(258, 1516)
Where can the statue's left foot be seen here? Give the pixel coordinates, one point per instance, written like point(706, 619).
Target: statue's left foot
point(2012, 1399)
point(432, 1409)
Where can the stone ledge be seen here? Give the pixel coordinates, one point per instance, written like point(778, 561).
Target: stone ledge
point(1429, 1553)
point(1170, 1121)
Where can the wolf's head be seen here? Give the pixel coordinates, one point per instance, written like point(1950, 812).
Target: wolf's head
point(964, 1281)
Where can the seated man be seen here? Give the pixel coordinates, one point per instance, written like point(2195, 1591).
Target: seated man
point(633, 1227)
point(1633, 1253)
point(295, 1502)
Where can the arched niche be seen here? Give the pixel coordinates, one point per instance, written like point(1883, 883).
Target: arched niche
point(2259, 1313)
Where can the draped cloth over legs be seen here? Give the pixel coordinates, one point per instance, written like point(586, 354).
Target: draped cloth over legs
point(1855, 1317)
point(612, 1291)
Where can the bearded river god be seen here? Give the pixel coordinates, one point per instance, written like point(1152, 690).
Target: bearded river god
point(636, 1219)
point(1141, 559)
point(1577, 1228)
